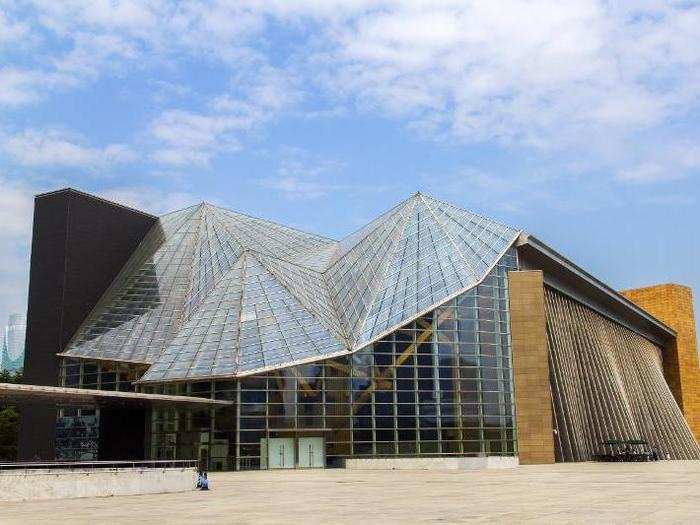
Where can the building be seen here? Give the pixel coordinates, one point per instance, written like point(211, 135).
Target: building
point(430, 332)
point(12, 355)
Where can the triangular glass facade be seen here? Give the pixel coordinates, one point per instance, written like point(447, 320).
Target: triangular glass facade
point(142, 310)
point(215, 293)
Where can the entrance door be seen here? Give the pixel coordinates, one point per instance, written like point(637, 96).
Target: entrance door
point(280, 452)
point(311, 452)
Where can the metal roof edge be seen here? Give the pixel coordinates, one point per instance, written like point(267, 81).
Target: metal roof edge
point(93, 197)
point(60, 393)
point(582, 275)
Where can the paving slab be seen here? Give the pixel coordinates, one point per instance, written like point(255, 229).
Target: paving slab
point(663, 492)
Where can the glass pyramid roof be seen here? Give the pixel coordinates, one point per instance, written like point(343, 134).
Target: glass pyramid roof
point(214, 293)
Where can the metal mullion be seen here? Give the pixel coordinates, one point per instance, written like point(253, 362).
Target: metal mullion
point(480, 386)
point(373, 407)
point(238, 426)
point(456, 377)
point(436, 380)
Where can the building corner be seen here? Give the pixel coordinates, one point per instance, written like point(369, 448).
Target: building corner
point(672, 304)
point(533, 401)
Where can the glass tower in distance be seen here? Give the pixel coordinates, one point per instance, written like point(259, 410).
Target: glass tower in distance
point(12, 358)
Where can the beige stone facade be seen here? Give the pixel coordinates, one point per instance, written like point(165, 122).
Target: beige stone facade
point(533, 401)
point(673, 305)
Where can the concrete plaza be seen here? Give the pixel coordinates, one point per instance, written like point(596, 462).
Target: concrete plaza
point(663, 492)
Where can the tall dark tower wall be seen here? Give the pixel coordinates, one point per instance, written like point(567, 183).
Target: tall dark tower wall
point(79, 244)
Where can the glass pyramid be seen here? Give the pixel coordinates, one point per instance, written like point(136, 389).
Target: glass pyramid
point(214, 293)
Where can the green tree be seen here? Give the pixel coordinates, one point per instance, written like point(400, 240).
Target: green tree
point(9, 428)
point(10, 377)
point(9, 421)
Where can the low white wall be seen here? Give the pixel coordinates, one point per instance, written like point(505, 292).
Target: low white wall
point(490, 462)
point(55, 484)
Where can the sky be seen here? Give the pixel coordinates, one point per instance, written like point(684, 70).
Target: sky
point(576, 121)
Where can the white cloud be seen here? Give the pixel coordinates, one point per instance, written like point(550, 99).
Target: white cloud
point(188, 137)
point(150, 200)
point(649, 172)
point(58, 148)
point(18, 86)
point(517, 192)
point(302, 176)
point(130, 16)
point(16, 206)
point(192, 138)
point(581, 75)
point(543, 73)
point(11, 31)
point(164, 90)
point(300, 185)
point(666, 161)
point(91, 54)
point(16, 210)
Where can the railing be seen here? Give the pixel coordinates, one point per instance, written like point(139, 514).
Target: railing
point(113, 465)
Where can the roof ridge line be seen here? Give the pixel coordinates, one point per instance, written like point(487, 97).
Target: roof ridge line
point(343, 335)
point(151, 236)
point(237, 344)
point(447, 234)
point(279, 258)
point(475, 214)
point(389, 258)
point(198, 205)
point(215, 212)
point(190, 274)
point(276, 223)
point(346, 336)
point(442, 302)
point(388, 213)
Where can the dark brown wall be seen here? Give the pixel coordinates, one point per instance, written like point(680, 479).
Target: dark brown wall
point(79, 244)
point(122, 434)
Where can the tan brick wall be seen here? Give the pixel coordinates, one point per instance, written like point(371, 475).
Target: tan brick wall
point(673, 305)
point(533, 402)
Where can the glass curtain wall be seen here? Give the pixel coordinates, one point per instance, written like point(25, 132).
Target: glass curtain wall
point(100, 375)
point(441, 385)
point(77, 426)
point(77, 433)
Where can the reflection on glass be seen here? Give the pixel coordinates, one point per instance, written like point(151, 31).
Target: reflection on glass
point(441, 385)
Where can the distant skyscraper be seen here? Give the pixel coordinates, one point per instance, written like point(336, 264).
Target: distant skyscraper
point(12, 357)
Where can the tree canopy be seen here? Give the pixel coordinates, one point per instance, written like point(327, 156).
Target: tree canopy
point(9, 420)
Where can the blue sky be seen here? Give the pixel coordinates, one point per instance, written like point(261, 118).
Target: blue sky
point(576, 121)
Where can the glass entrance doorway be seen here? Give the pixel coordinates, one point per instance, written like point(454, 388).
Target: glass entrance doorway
point(311, 452)
point(280, 452)
point(290, 452)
